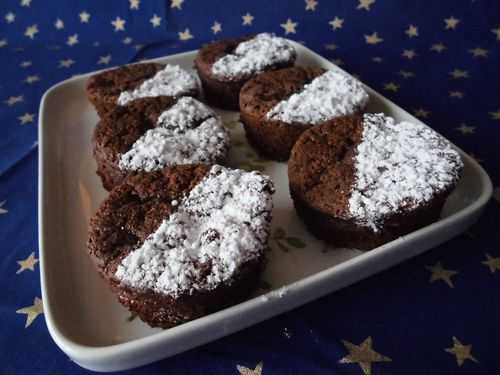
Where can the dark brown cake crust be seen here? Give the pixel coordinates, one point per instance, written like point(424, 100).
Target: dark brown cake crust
point(133, 211)
point(271, 138)
point(223, 93)
point(347, 234)
point(321, 175)
point(103, 89)
point(117, 131)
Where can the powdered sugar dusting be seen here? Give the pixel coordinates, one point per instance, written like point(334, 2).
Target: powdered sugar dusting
point(330, 95)
point(189, 132)
point(253, 56)
point(397, 167)
point(170, 81)
point(221, 224)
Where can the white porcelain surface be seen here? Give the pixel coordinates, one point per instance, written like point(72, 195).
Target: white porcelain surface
point(83, 316)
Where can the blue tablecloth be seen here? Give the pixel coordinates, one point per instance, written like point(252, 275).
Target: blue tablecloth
point(436, 314)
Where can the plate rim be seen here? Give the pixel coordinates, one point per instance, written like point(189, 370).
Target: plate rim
point(90, 356)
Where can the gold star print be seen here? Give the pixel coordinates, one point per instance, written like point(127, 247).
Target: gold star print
point(216, 27)
point(246, 371)
point(32, 311)
point(3, 210)
point(118, 24)
point(377, 59)
point(464, 129)
point(27, 264)
point(289, 26)
point(479, 52)
point(10, 17)
point(331, 47)
point(496, 32)
point(311, 5)
point(26, 118)
point(336, 23)
point(456, 94)
point(438, 47)
point(176, 4)
point(406, 74)
point(185, 35)
point(409, 54)
point(31, 31)
point(373, 38)
point(492, 263)
point(365, 4)
point(59, 24)
point(457, 74)
point(461, 352)
point(420, 112)
point(155, 20)
point(13, 100)
point(439, 273)
point(495, 115)
point(66, 63)
point(451, 23)
point(247, 19)
point(104, 60)
point(134, 4)
point(84, 17)
point(412, 31)
point(363, 355)
point(72, 40)
point(391, 86)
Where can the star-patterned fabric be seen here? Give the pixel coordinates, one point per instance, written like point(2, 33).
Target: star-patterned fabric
point(437, 313)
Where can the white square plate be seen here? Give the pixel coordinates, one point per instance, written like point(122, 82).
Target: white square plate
point(83, 316)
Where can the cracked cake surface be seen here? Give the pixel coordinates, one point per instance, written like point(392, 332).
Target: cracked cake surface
point(362, 181)
point(119, 86)
point(191, 239)
point(224, 66)
point(152, 133)
point(278, 106)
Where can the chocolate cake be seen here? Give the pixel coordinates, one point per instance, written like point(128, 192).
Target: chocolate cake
point(119, 86)
point(276, 107)
point(151, 133)
point(362, 181)
point(224, 66)
point(181, 242)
